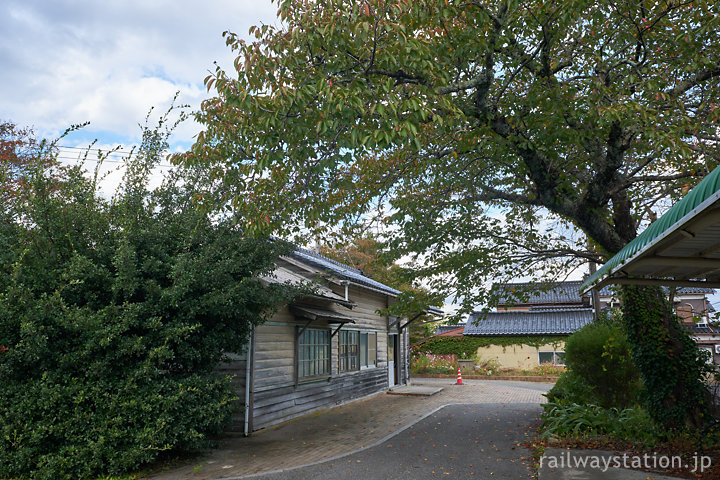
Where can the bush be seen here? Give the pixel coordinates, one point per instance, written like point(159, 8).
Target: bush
point(570, 388)
point(573, 420)
point(599, 368)
point(113, 317)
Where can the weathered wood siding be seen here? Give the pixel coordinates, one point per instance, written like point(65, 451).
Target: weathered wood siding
point(236, 369)
point(285, 402)
point(277, 396)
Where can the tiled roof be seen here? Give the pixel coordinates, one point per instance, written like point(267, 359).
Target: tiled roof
point(447, 328)
point(546, 308)
point(539, 293)
point(341, 271)
point(560, 293)
point(547, 322)
point(705, 329)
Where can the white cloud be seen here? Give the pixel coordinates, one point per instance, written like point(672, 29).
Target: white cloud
point(108, 62)
point(111, 169)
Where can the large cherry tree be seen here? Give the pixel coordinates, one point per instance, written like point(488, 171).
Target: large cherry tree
point(489, 138)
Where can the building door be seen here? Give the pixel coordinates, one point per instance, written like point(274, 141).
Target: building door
point(392, 360)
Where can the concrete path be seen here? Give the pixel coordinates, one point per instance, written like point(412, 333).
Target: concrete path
point(460, 432)
point(456, 442)
point(358, 425)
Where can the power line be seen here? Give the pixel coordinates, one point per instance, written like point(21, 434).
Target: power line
point(74, 159)
point(110, 152)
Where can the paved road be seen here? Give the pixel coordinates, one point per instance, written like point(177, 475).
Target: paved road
point(490, 384)
point(455, 442)
point(361, 424)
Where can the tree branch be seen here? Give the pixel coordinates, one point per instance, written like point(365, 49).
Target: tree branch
point(694, 80)
point(490, 194)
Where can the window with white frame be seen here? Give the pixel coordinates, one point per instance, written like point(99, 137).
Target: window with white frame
point(552, 358)
point(356, 350)
point(368, 350)
point(313, 353)
point(348, 351)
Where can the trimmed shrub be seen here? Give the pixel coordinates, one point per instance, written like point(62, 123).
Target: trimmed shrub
point(570, 388)
point(599, 368)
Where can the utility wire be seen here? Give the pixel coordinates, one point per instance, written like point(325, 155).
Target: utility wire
point(64, 154)
point(75, 159)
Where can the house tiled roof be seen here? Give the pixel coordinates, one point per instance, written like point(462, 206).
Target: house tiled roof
point(446, 328)
point(543, 322)
point(704, 329)
point(545, 308)
point(340, 270)
point(539, 293)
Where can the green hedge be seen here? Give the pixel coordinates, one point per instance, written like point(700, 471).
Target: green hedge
point(467, 344)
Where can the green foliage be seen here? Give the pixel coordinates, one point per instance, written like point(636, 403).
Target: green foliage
point(570, 388)
point(468, 130)
point(422, 329)
point(467, 344)
point(672, 366)
point(598, 356)
point(115, 313)
point(366, 253)
point(575, 420)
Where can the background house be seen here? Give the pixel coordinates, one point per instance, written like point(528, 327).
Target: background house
point(539, 317)
point(322, 349)
point(455, 330)
point(692, 306)
point(530, 323)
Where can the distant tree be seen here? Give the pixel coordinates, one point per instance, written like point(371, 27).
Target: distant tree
point(366, 254)
point(491, 139)
point(20, 154)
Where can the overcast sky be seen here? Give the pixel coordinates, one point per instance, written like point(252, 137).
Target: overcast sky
point(108, 61)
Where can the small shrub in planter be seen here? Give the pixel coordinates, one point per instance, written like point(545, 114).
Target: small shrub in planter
point(467, 366)
point(488, 367)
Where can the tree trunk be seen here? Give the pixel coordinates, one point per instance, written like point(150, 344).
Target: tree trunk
point(668, 359)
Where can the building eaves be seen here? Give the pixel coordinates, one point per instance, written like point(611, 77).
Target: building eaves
point(341, 271)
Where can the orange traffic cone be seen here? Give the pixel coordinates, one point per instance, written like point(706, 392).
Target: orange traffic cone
point(459, 380)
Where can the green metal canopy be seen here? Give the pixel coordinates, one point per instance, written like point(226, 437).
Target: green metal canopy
point(681, 248)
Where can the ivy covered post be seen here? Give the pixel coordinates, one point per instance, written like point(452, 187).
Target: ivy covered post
point(670, 362)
